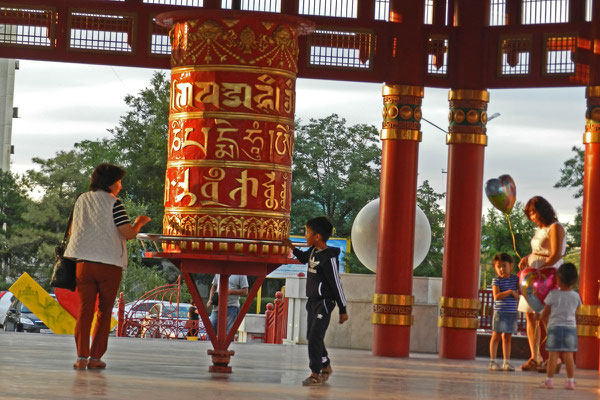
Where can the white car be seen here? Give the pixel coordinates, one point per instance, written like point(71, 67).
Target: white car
point(6, 298)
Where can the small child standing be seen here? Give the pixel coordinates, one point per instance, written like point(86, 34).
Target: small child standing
point(324, 290)
point(505, 289)
point(559, 315)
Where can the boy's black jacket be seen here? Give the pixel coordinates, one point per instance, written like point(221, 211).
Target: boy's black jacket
point(323, 280)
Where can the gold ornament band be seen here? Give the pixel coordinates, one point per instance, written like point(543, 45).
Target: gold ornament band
point(234, 68)
point(588, 319)
point(591, 137)
point(230, 115)
point(402, 90)
point(454, 302)
point(392, 309)
point(401, 134)
point(394, 299)
point(458, 322)
point(592, 91)
point(392, 319)
point(466, 138)
point(467, 94)
point(228, 164)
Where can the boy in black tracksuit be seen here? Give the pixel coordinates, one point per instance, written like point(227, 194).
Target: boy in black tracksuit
point(324, 290)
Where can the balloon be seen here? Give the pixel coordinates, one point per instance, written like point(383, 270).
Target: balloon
point(536, 284)
point(502, 193)
point(365, 232)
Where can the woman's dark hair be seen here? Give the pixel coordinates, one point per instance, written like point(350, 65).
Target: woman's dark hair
point(502, 257)
point(105, 175)
point(322, 226)
point(543, 208)
point(567, 273)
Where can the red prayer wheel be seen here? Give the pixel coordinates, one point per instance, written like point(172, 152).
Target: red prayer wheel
point(231, 130)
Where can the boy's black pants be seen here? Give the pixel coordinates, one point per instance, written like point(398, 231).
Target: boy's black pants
point(319, 314)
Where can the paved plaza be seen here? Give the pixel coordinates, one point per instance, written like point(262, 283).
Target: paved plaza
point(39, 366)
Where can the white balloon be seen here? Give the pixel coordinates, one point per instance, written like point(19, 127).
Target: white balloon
point(365, 231)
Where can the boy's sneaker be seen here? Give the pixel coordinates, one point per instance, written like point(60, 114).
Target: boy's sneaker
point(570, 385)
point(507, 367)
point(494, 366)
point(547, 383)
point(326, 373)
point(312, 380)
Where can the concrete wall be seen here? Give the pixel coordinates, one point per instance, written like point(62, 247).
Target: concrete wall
point(357, 332)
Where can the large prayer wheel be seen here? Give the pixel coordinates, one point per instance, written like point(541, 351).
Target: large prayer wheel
point(231, 130)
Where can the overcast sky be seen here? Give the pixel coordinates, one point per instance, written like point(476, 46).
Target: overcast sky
point(61, 104)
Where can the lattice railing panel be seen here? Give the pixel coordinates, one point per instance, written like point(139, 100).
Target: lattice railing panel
point(515, 55)
point(382, 10)
point(27, 26)
point(497, 12)
point(329, 8)
point(341, 49)
point(559, 51)
point(588, 10)
point(160, 43)
point(255, 5)
point(103, 32)
point(428, 12)
point(545, 11)
point(183, 3)
point(437, 56)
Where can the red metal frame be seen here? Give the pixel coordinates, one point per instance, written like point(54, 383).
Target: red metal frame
point(382, 55)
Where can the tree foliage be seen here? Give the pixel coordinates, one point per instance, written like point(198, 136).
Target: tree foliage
point(571, 176)
point(428, 201)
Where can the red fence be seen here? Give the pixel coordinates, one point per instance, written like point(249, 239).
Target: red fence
point(276, 320)
point(487, 312)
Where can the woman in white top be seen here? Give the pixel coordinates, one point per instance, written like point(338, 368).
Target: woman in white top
point(99, 231)
point(548, 246)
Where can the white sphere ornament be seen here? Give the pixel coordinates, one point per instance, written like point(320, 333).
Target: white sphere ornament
point(365, 235)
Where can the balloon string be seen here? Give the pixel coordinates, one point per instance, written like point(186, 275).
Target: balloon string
point(512, 235)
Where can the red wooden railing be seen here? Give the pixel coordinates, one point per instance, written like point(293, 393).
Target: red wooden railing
point(276, 320)
point(487, 311)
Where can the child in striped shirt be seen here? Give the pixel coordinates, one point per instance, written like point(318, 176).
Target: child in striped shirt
point(505, 289)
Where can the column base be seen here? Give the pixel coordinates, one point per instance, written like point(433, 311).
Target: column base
point(458, 344)
point(587, 353)
point(391, 340)
point(220, 359)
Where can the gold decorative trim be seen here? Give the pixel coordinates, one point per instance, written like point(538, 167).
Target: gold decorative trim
point(454, 302)
point(458, 322)
point(394, 299)
point(392, 319)
point(466, 138)
point(402, 90)
point(230, 115)
point(468, 94)
point(587, 330)
point(228, 164)
point(225, 211)
point(591, 137)
point(401, 134)
point(588, 309)
point(234, 68)
point(592, 91)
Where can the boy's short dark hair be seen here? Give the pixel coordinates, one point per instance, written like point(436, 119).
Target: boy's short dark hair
point(322, 226)
point(105, 175)
point(502, 257)
point(567, 274)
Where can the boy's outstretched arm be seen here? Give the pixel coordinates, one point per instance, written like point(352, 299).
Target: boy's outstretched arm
point(302, 256)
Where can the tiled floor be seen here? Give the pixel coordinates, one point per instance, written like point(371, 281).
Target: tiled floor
point(37, 366)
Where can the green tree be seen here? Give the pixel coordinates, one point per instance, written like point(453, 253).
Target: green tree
point(571, 176)
point(335, 172)
point(428, 201)
point(496, 238)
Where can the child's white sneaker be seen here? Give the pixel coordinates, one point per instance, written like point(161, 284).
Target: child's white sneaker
point(570, 385)
point(494, 366)
point(507, 367)
point(547, 383)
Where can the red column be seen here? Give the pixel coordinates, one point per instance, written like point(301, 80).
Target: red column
point(587, 316)
point(392, 302)
point(459, 304)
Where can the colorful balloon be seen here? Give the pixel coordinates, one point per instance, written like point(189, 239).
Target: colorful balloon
point(535, 285)
point(502, 193)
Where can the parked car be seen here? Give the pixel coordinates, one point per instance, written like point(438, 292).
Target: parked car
point(19, 318)
point(166, 320)
point(6, 298)
point(135, 312)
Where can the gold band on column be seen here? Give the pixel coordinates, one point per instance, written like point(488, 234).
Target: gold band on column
point(469, 94)
point(468, 116)
point(588, 320)
point(592, 91)
point(469, 138)
point(591, 137)
point(459, 313)
point(402, 112)
point(392, 309)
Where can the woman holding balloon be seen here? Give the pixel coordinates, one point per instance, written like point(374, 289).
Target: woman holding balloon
point(548, 246)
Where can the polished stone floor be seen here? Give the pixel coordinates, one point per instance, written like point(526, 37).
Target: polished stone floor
point(39, 366)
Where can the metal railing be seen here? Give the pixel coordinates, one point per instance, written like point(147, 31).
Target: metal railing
point(486, 313)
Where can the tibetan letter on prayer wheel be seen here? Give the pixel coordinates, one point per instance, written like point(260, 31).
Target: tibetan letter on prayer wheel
point(231, 130)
